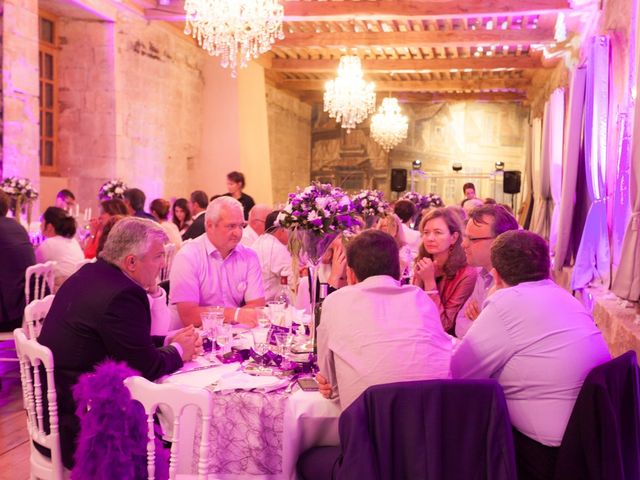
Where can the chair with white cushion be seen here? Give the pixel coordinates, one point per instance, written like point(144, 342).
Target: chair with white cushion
point(169, 252)
point(34, 315)
point(41, 278)
point(176, 398)
point(38, 358)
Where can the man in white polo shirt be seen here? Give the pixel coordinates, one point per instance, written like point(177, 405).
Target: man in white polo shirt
point(214, 270)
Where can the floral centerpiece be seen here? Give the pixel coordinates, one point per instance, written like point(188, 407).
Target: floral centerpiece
point(370, 204)
point(22, 194)
point(315, 215)
point(110, 189)
point(423, 201)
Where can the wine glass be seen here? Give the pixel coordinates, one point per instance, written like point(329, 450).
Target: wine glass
point(260, 341)
point(263, 317)
point(283, 342)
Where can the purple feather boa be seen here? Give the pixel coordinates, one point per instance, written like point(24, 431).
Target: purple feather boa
point(113, 428)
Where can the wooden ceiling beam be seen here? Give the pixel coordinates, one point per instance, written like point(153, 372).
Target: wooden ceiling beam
point(412, 65)
point(476, 84)
point(415, 39)
point(430, 97)
point(415, 9)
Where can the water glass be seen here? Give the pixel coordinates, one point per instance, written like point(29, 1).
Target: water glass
point(276, 312)
point(260, 340)
point(283, 342)
point(224, 337)
point(263, 317)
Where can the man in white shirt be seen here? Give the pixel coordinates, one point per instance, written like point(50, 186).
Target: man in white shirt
point(275, 259)
point(256, 227)
point(484, 225)
point(375, 330)
point(406, 210)
point(214, 270)
point(538, 342)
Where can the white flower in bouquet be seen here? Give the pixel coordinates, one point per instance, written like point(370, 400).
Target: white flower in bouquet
point(112, 189)
point(369, 202)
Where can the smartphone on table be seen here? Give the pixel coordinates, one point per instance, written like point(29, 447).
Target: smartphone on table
point(308, 384)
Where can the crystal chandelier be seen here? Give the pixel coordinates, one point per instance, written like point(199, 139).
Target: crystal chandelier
point(235, 30)
point(348, 98)
point(389, 126)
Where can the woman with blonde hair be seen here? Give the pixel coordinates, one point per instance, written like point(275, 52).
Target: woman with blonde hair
point(441, 266)
point(392, 225)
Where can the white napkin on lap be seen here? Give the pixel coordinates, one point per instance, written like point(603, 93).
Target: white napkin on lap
point(244, 381)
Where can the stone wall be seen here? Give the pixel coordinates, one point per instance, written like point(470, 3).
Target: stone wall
point(289, 142)
point(20, 130)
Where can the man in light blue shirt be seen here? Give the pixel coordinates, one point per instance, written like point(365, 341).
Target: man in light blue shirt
point(538, 342)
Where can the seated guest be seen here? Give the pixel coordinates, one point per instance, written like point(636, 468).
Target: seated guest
point(17, 255)
point(134, 199)
point(66, 200)
point(469, 204)
point(406, 210)
point(538, 342)
point(484, 225)
point(441, 267)
point(60, 245)
point(274, 257)
point(469, 190)
point(102, 312)
point(214, 270)
point(392, 225)
point(108, 208)
point(376, 331)
point(256, 226)
point(235, 185)
point(160, 210)
point(181, 215)
point(197, 205)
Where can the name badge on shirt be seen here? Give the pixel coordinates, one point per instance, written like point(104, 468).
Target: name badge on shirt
point(242, 286)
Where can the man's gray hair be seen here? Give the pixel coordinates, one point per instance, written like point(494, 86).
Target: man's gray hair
point(215, 207)
point(131, 236)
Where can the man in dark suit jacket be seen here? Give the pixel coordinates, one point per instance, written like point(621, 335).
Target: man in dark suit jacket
point(17, 255)
point(198, 205)
point(134, 199)
point(102, 311)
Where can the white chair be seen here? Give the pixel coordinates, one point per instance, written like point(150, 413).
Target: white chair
point(176, 398)
point(169, 252)
point(42, 275)
point(32, 356)
point(34, 315)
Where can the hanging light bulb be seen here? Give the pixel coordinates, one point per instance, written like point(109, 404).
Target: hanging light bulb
point(389, 126)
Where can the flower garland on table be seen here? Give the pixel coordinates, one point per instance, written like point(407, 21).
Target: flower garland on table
point(21, 192)
point(110, 189)
point(423, 201)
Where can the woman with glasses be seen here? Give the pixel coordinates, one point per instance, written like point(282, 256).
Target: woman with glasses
point(441, 267)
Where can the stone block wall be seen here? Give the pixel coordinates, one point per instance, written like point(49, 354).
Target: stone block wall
point(20, 124)
point(159, 88)
point(289, 142)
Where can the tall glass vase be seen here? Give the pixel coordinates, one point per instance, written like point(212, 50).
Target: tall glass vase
point(309, 246)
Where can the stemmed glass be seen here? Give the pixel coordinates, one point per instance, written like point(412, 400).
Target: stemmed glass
point(260, 344)
point(224, 337)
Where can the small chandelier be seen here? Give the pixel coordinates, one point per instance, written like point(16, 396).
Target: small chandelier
point(389, 126)
point(348, 98)
point(235, 30)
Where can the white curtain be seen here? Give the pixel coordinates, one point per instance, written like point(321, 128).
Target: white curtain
point(553, 149)
point(593, 257)
point(572, 140)
point(539, 178)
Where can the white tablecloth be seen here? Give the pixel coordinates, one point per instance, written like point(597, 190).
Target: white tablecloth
point(256, 434)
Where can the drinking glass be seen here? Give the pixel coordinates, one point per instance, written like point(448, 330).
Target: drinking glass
point(276, 312)
point(283, 342)
point(224, 337)
point(263, 317)
point(260, 341)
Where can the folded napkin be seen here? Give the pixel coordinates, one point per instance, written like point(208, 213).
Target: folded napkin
point(201, 377)
point(244, 381)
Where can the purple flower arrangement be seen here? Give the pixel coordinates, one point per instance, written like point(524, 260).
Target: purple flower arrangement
point(320, 207)
point(424, 201)
point(369, 203)
point(112, 189)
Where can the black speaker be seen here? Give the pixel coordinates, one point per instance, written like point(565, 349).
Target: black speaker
point(398, 179)
point(512, 180)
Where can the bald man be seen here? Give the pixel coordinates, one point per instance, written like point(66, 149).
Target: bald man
point(255, 228)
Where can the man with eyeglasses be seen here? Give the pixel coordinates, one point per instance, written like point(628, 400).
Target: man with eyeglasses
point(214, 270)
point(484, 225)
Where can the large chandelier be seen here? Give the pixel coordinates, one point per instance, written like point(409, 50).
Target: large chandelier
point(348, 98)
point(389, 126)
point(235, 30)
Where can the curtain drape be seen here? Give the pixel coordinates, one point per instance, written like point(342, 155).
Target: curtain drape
point(524, 215)
point(553, 148)
point(539, 177)
point(593, 257)
point(572, 138)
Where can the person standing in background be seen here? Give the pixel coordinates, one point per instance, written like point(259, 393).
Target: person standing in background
point(235, 185)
